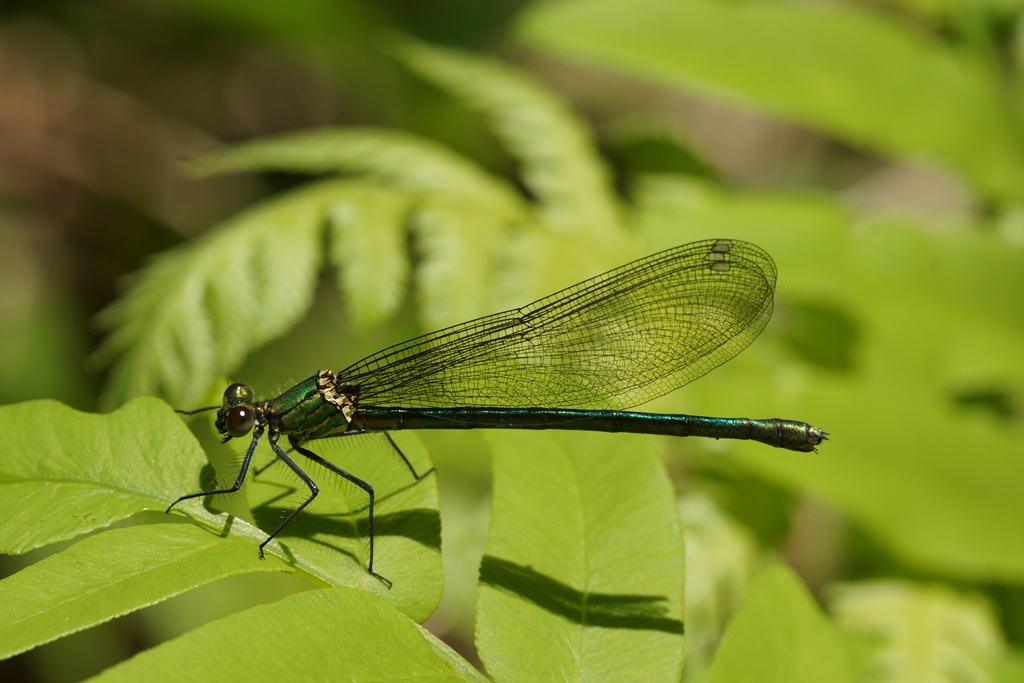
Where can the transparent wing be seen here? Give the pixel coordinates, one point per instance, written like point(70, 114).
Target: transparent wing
point(612, 342)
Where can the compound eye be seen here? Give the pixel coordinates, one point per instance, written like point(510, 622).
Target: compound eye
point(238, 393)
point(240, 421)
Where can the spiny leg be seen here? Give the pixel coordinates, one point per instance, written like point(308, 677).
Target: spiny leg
point(355, 480)
point(313, 491)
point(257, 433)
point(405, 459)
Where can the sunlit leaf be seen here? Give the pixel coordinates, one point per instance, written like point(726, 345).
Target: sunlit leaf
point(395, 159)
point(64, 473)
point(720, 561)
point(584, 563)
point(195, 312)
point(837, 67)
point(919, 633)
point(97, 469)
point(459, 254)
point(113, 573)
point(559, 163)
point(367, 247)
point(779, 634)
point(327, 634)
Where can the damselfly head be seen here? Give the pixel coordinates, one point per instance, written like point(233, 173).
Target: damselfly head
point(236, 415)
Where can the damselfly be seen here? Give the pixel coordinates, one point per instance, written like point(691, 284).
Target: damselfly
point(575, 360)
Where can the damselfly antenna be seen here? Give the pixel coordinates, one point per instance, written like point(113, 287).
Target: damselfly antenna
point(197, 410)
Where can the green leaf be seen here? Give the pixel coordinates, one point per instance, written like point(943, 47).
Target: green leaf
point(393, 159)
point(939, 494)
point(459, 252)
point(367, 246)
point(97, 469)
point(583, 573)
point(919, 633)
point(329, 634)
point(721, 557)
point(559, 163)
point(197, 311)
point(64, 473)
point(779, 634)
point(869, 81)
point(454, 659)
point(113, 573)
point(1010, 668)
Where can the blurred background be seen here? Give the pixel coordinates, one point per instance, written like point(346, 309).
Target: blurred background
point(875, 149)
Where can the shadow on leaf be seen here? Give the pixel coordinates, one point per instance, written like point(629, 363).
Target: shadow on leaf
point(637, 612)
point(422, 525)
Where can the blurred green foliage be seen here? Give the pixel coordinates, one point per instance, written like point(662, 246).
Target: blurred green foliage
point(386, 186)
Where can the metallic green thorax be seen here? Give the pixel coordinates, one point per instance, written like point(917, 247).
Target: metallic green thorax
point(315, 408)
